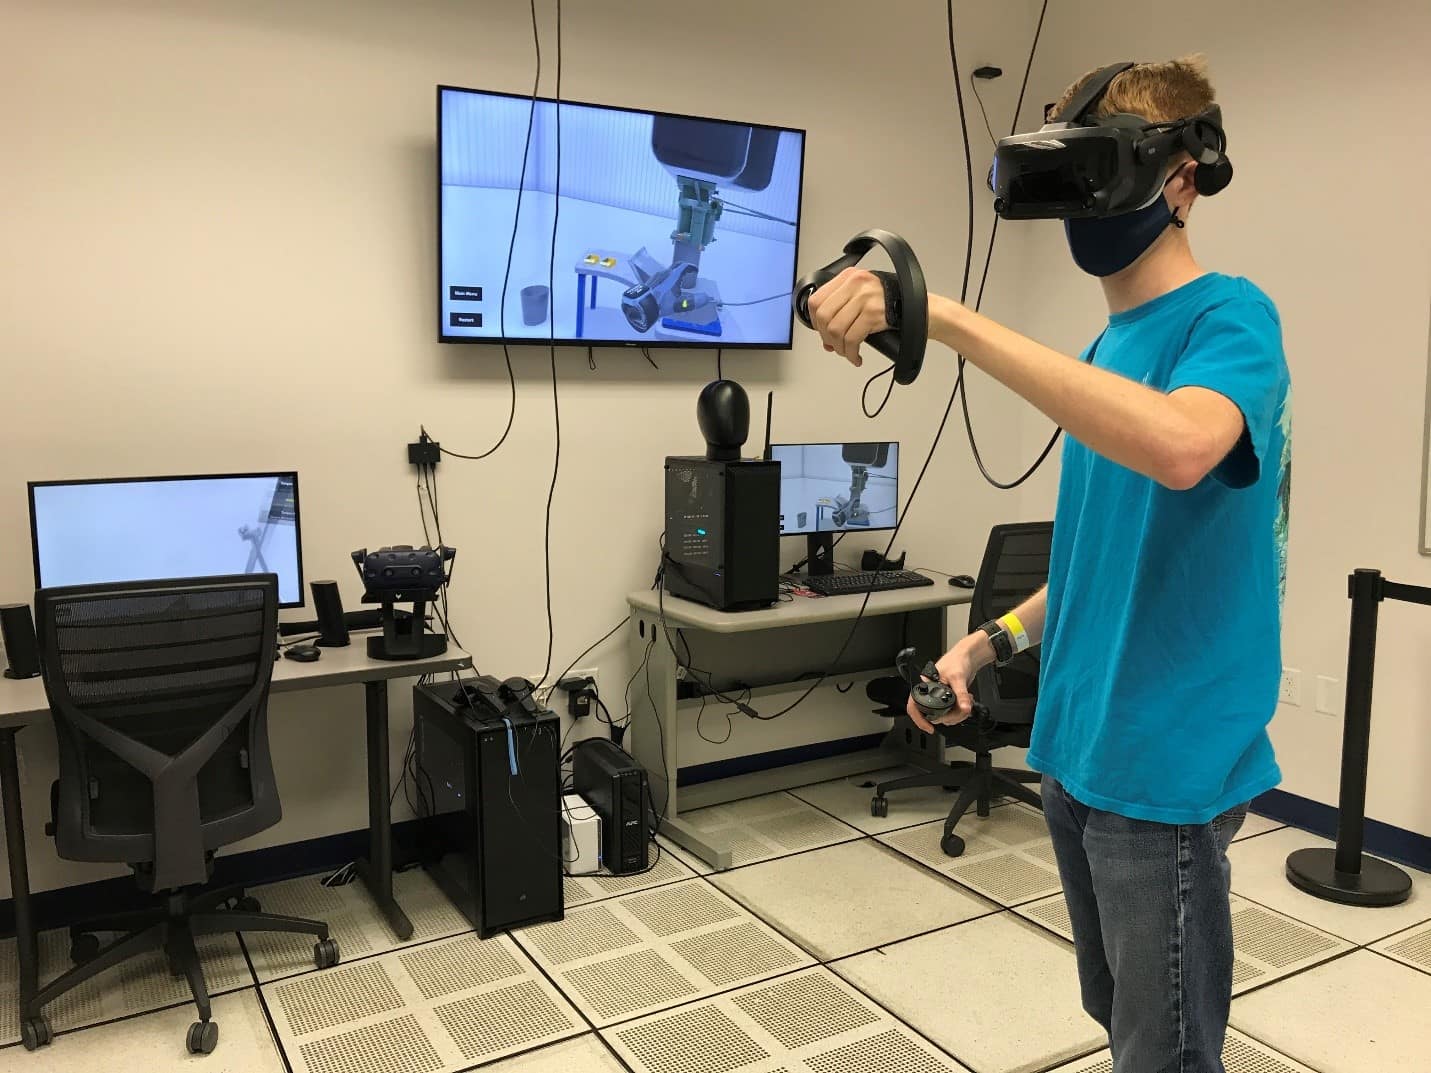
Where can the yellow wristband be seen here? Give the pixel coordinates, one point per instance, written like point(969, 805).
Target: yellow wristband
point(1017, 633)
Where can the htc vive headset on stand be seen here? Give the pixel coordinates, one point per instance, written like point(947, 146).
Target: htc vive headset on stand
point(1078, 167)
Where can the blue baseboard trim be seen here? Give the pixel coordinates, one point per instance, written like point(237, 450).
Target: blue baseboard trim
point(1379, 839)
point(745, 765)
point(272, 864)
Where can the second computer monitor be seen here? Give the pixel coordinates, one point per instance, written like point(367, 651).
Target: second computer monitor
point(837, 487)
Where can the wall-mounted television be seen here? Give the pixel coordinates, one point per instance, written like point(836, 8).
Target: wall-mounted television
point(657, 230)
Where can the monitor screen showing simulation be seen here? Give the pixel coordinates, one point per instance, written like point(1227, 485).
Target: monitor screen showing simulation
point(835, 487)
point(146, 529)
point(656, 229)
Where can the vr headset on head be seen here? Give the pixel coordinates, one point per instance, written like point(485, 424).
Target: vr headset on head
point(1076, 167)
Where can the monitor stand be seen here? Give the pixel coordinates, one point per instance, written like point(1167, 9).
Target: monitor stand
point(819, 553)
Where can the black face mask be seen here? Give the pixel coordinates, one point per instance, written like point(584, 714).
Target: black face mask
point(1104, 246)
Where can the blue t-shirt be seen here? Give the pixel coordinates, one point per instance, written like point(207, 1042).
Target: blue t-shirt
point(1161, 655)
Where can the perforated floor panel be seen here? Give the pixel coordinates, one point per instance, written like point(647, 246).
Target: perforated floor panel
point(1240, 1054)
point(582, 890)
point(1409, 947)
point(764, 828)
point(1007, 855)
point(432, 1008)
point(352, 917)
point(638, 953)
point(137, 986)
point(1266, 945)
point(808, 1022)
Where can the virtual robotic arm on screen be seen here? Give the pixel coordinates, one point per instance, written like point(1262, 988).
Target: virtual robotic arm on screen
point(861, 456)
point(701, 155)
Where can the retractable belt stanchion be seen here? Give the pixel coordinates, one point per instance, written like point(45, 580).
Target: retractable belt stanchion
point(1345, 874)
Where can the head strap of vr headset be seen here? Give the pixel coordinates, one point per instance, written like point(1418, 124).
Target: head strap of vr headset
point(1087, 98)
point(1189, 132)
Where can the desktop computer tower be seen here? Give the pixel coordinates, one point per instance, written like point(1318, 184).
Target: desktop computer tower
point(492, 839)
point(723, 532)
point(615, 785)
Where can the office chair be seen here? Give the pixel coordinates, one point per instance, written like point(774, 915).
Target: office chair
point(159, 692)
point(1015, 566)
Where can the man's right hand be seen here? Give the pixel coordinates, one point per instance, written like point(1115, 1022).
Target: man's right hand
point(957, 668)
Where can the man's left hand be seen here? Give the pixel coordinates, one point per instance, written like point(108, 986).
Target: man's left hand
point(848, 310)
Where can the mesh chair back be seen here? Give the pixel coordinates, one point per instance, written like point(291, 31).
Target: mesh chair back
point(159, 693)
point(1015, 566)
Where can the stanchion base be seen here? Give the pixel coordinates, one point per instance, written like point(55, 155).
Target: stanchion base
point(1377, 884)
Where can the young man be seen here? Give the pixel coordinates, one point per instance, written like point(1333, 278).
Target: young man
point(1160, 623)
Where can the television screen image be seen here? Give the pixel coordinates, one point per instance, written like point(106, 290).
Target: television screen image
point(669, 231)
point(93, 532)
point(837, 487)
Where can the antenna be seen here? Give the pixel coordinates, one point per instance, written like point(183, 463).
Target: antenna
point(769, 406)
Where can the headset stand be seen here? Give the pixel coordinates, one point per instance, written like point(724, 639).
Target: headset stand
point(406, 640)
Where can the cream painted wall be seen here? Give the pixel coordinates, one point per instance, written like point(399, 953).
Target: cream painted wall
point(219, 255)
point(1325, 107)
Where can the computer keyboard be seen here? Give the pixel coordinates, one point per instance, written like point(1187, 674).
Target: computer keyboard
point(859, 581)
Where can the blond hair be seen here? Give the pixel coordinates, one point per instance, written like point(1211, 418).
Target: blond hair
point(1159, 92)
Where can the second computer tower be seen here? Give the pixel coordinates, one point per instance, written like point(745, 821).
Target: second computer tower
point(723, 532)
point(492, 837)
point(616, 786)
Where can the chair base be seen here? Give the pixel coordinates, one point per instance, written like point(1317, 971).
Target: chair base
point(172, 927)
point(978, 784)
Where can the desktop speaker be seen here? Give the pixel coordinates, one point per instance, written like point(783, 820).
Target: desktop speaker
point(332, 626)
point(723, 532)
point(17, 632)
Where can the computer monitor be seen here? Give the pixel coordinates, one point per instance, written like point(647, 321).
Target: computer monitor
point(828, 488)
point(656, 230)
point(146, 528)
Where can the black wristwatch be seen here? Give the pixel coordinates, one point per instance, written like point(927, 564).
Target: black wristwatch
point(1000, 639)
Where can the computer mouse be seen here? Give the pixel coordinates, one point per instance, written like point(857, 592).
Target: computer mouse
point(303, 653)
point(962, 581)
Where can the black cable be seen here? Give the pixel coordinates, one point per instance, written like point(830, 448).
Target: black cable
point(948, 408)
point(961, 384)
point(650, 360)
point(589, 648)
point(556, 404)
point(758, 301)
point(974, 85)
point(511, 247)
point(745, 210)
point(888, 391)
point(591, 359)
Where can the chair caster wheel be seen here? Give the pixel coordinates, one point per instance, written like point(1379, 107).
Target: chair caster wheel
point(248, 905)
point(35, 1033)
point(203, 1037)
point(325, 953)
point(83, 947)
point(879, 807)
point(952, 845)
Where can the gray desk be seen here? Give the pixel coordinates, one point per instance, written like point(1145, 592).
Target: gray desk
point(770, 650)
point(23, 703)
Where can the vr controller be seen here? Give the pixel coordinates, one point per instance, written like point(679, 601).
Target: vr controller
point(906, 300)
point(931, 696)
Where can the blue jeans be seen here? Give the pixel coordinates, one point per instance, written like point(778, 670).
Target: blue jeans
point(1152, 928)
